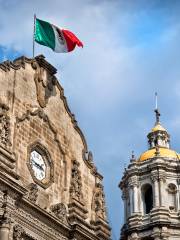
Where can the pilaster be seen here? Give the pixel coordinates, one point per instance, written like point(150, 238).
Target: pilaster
point(155, 179)
point(5, 229)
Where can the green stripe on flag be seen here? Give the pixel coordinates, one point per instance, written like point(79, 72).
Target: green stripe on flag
point(44, 34)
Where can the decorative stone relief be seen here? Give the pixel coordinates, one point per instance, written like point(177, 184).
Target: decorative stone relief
point(4, 125)
point(44, 229)
point(134, 236)
point(99, 201)
point(76, 182)
point(44, 84)
point(18, 232)
point(33, 192)
point(60, 211)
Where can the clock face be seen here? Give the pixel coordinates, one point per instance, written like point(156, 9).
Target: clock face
point(38, 165)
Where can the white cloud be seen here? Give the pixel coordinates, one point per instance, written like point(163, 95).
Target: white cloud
point(110, 83)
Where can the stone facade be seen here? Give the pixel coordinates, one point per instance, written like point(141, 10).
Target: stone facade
point(49, 186)
point(151, 191)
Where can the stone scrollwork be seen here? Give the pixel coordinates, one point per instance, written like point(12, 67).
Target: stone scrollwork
point(44, 84)
point(99, 201)
point(18, 232)
point(4, 125)
point(60, 211)
point(76, 182)
point(33, 192)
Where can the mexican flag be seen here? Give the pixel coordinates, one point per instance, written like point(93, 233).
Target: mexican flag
point(59, 40)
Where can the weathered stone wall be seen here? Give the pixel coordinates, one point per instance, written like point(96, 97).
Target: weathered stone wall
point(57, 134)
point(34, 112)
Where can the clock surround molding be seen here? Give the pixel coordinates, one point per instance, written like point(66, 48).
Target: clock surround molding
point(42, 150)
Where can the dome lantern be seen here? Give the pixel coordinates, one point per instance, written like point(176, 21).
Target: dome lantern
point(158, 137)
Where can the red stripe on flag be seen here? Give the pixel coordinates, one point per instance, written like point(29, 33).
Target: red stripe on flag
point(71, 40)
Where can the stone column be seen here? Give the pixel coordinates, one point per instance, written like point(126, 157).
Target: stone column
point(4, 230)
point(125, 206)
point(156, 192)
point(131, 200)
point(161, 191)
point(135, 198)
point(178, 195)
point(177, 200)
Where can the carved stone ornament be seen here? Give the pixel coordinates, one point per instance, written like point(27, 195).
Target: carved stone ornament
point(4, 125)
point(99, 201)
point(76, 182)
point(5, 215)
point(44, 84)
point(18, 232)
point(60, 211)
point(33, 192)
point(90, 158)
point(134, 236)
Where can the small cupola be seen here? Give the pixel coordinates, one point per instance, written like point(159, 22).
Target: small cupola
point(158, 137)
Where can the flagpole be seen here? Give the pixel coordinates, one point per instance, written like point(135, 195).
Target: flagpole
point(34, 29)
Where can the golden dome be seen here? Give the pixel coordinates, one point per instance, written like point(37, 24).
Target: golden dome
point(158, 127)
point(164, 152)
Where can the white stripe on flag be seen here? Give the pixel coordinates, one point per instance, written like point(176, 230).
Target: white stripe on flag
point(60, 43)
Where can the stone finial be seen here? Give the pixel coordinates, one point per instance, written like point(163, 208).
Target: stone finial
point(133, 158)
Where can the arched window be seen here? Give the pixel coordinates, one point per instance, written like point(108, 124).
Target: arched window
point(147, 197)
point(172, 190)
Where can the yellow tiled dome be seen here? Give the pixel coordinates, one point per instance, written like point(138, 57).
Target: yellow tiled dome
point(158, 127)
point(164, 152)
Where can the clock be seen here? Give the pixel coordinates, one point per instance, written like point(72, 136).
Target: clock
point(38, 165)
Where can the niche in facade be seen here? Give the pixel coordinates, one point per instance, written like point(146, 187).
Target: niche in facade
point(172, 190)
point(147, 197)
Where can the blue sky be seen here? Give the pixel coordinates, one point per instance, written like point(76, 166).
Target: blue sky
point(131, 50)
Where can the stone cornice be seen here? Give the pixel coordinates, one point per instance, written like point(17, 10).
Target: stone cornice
point(12, 184)
point(47, 218)
point(150, 166)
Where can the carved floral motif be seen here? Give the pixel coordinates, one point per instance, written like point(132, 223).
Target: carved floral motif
point(76, 182)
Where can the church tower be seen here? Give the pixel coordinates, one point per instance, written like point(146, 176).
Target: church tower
point(150, 190)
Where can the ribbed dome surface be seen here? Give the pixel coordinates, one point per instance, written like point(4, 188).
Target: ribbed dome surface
point(164, 152)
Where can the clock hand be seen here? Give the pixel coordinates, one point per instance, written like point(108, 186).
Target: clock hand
point(38, 165)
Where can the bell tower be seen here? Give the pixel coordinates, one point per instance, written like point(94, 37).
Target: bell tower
point(150, 190)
